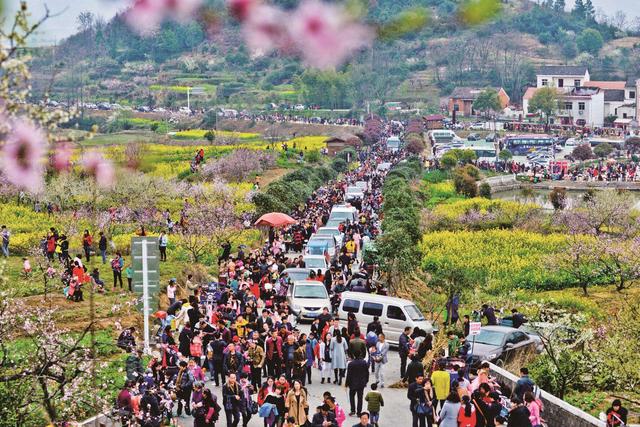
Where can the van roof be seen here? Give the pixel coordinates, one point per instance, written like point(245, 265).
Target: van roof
point(376, 298)
point(343, 208)
point(309, 283)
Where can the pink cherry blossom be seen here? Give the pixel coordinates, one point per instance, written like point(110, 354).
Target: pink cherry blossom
point(325, 35)
point(145, 16)
point(61, 158)
point(99, 167)
point(22, 156)
point(241, 9)
point(182, 10)
point(264, 30)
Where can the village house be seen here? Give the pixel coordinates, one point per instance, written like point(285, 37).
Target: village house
point(462, 98)
point(583, 102)
point(336, 144)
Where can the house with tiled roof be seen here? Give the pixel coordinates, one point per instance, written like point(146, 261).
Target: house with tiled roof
point(462, 98)
point(583, 102)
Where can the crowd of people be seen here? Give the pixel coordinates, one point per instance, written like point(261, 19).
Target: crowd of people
point(241, 334)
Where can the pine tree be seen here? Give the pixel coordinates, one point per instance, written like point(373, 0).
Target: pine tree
point(559, 6)
point(579, 8)
point(589, 10)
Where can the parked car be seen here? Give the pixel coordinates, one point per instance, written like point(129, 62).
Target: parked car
point(296, 274)
point(307, 298)
point(332, 231)
point(315, 262)
point(353, 193)
point(394, 313)
point(499, 344)
point(477, 126)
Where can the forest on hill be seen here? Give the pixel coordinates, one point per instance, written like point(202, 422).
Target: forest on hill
point(419, 67)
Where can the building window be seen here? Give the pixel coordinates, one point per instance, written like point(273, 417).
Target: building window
point(576, 83)
point(545, 82)
point(568, 105)
point(581, 106)
point(560, 82)
point(632, 95)
point(624, 115)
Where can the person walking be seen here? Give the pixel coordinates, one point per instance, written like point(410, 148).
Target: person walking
point(403, 350)
point(163, 241)
point(102, 246)
point(381, 359)
point(357, 346)
point(467, 414)
point(87, 242)
point(450, 410)
point(441, 381)
point(414, 369)
point(297, 403)
point(534, 409)
point(5, 235)
point(374, 403)
point(256, 358)
point(338, 350)
point(128, 272)
point(232, 395)
point(419, 405)
point(184, 385)
point(356, 381)
point(524, 383)
point(519, 414)
point(617, 414)
point(324, 359)
point(117, 264)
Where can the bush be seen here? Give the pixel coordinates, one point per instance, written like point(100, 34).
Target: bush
point(449, 160)
point(435, 176)
point(465, 183)
point(312, 156)
point(266, 203)
point(339, 165)
point(558, 198)
point(485, 190)
point(210, 136)
point(347, 152)
point(415, 146)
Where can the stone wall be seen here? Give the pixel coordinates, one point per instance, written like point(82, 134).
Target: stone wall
point(557, 412)
point(502, 183)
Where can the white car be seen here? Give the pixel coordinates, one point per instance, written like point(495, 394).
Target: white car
point(353, 193)
point(477, 126)
point(331, 231)
point(320, 241)
point(299, 107)
point(307, 298)
point(315, 262)
point(364, 185)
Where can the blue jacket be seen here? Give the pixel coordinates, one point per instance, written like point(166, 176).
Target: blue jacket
point(266, 409)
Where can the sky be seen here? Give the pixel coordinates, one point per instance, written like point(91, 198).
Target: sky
point(64, 24)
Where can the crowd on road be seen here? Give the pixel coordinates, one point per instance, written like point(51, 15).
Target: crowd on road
point(240, 333)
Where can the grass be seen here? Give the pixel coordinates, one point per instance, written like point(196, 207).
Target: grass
point(208, 88)
point(119, 138)
point(199, 134)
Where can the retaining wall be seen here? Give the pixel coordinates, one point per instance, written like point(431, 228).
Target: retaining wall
point(557, 412)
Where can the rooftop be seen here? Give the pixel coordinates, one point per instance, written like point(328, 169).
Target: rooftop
point(563, 70)
point(470, 93)
point(607, 85)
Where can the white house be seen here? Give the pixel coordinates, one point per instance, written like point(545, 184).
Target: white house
point(584, 102)
point(562, 76)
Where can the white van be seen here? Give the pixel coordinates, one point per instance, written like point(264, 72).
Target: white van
point(394, 313)
point(344, 213)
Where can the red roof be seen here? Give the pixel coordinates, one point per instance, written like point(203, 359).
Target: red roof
point(434, 117)
point(607, 85)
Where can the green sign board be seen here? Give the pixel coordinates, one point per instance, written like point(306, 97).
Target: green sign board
point(152, 269)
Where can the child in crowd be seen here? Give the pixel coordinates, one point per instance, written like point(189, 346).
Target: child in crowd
point(374, 403)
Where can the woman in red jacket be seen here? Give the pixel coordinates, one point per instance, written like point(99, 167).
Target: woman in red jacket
point(467, 414)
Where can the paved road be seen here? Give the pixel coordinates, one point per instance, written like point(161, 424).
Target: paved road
point(394, 413)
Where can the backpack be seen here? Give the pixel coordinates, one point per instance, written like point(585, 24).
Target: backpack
point(195, 348)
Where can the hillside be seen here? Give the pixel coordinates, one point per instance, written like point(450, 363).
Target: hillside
point(107, 62)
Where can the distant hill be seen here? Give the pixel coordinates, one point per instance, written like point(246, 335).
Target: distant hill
point(107, 62)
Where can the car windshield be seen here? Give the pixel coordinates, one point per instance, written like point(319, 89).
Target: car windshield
point(314, 292)
point(340, 215)
point(315, 263)
point(298, 275)
point(489, 337)
point(413, 312)
point(328, 232)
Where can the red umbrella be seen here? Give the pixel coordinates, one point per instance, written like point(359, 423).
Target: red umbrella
point(275, 219)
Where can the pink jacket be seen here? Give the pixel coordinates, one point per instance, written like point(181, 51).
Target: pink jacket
point(534, 410)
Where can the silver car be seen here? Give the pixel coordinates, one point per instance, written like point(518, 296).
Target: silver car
point(307, 298)
point(499, 344)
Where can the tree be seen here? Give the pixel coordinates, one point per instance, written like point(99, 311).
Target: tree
point(578, 9)
point(209, 222)
point(210, 136)
point(569, 49)
point(582, 152)
point(485, 190)
point(633, 143)
point(589, 10)
point(590, 41)
point(559, 6)
point(545, 100)
point(558, 198)
point(487, 101)
point(505, 155)
point(603, 150)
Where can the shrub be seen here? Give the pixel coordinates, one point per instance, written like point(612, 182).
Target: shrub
point(312, 156)
point(339, 165)
point(347, 152)
point(485, 190)
point(415, 146)
point(210, 136)
point(449, 160)
point(465, 184)
point(435, 176)
point(558, 198)
point(239, 165)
